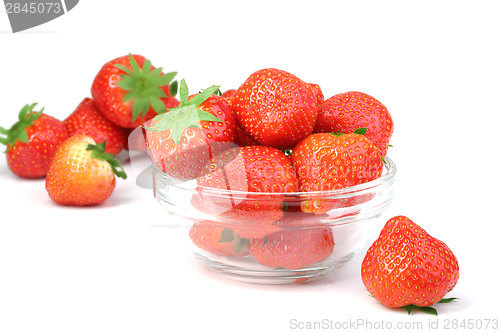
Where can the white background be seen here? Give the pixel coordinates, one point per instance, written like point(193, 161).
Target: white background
point(435, 65)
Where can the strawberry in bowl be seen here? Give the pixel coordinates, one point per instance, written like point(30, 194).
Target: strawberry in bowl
point(276, 108)
point(266, 199)
point(250, 226)
point(183, 140)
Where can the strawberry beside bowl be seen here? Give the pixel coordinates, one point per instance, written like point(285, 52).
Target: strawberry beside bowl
point(274, 237)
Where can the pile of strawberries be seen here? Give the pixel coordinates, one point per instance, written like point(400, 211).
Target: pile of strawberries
point(76, 155)
point(274, 136)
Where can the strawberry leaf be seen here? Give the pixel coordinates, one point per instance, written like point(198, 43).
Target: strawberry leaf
point(242, 244)
point(140, 105)
point(174, 86)
point(146, 66)
point(143, 86)
point(98, 152)
point(361, 131)
point(183, 92)
point(187, 115)
point(409, 308)
point(448, 300)
point(265, 241)
point(227, 235)
point(202, 96)
point(124, 68)
point(428, 309)
point(207, 116)
point(166, 78)
point(157, 104)
point(27, 116)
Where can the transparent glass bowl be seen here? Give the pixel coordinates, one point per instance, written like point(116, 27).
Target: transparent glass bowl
point(351, 220)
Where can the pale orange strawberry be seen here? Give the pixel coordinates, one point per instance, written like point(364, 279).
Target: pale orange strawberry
point(301, 243)
point(81, 173)
point(218, 239)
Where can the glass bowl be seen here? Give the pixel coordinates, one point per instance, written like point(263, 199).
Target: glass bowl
point(295, 246)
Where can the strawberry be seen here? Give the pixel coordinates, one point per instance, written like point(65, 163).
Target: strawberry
point(320, 98)
point(346, 112)
point(183, 140)
point(129, 91)
point(87, 120)
point(324, 162)
point(238, 188)
point(275, 108)
point(218, 239)
point(407, 267)
point(32, 141)
point(81, 173)
point(241, 138)
point(299, 245)
point(136, 139)
point(228, 95)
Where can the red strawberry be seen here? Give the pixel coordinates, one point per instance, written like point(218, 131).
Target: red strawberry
point(182, 141)
point(218, 239)
point(87, 120)
point(136, 139)
point(239, 189)
point(228, 95)
point(241, 138)
point(81, 173)
point(346, 112)
point(275, 108)
point(324, 161)
point(320, 98)
point(406, 267)
point(129, 91)
point(32, 141)
point(300, 246)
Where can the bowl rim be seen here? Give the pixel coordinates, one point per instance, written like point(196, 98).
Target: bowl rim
point(387, 177)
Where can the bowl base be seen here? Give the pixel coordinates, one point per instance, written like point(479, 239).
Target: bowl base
point(270, 276)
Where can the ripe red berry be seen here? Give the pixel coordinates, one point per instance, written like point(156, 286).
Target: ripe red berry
point(252, 180)
point(293, 248)
point(182, 141)
point(324, 161)
point(349, 111)
point(87, 120)
point(32, 142)
point(129, 90)
point(276, 108)
point(407, 267)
